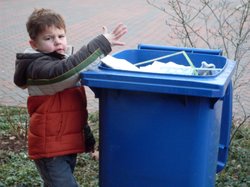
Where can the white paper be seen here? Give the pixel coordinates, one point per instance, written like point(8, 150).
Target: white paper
point(117, 63)
point(167, 68)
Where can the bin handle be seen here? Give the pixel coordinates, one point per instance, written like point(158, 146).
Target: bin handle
point(226, 124)
point(170, 55)
point(188, 50)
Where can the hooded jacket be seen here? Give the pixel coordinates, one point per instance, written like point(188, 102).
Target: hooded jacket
point(56, 102)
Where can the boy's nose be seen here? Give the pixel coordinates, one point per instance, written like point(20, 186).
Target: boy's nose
point(57, 41)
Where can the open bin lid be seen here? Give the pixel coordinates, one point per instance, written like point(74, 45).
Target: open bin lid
point(205, 86)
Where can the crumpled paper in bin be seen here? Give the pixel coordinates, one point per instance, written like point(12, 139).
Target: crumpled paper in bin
point(168, 68)
point(117, 63)
point(159, 67)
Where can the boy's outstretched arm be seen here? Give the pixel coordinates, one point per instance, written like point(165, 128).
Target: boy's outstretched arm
point(116, 34)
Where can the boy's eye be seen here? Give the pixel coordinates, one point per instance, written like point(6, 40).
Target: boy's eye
point(61, 36)
point(47, 38)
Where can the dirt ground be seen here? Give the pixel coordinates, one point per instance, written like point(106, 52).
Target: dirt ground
point(13, 143)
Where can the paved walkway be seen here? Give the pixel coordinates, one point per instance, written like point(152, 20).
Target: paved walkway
point(84, 21)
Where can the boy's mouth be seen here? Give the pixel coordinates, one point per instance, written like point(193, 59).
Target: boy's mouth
point(60, 51)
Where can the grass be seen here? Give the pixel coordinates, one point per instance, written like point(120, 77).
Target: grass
point(17, 170)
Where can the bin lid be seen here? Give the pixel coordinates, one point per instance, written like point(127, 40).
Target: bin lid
point(205, 86)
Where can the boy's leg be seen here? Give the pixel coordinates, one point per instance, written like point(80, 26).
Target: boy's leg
point(57, 171)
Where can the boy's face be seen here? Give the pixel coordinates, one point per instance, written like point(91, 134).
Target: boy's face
point(50, 40)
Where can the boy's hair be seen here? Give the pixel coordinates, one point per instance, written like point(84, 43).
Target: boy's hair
point(42, 18)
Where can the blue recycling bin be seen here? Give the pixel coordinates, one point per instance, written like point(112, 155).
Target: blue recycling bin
point(163, 130)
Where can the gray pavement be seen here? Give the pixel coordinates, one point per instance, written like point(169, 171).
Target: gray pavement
point(84, 20)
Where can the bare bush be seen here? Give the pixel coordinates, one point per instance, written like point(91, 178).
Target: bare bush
point(215, 24)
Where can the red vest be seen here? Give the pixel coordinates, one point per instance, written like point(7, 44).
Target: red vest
point(56, 123)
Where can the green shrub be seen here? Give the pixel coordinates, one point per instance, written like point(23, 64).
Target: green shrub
point(237, 171)
point(17, 170)
point(13, 120)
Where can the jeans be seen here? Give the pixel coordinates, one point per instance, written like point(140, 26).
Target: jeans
point(57, 171)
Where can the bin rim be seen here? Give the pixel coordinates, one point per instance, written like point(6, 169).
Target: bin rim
point(206, 86)
point(213, 87)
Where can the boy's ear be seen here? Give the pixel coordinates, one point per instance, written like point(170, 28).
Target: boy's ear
point(33, 44)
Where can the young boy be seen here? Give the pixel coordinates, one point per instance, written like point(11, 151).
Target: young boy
point(56, 102)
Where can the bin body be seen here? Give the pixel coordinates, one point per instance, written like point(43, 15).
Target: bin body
point(159, 130)
point(154, 139)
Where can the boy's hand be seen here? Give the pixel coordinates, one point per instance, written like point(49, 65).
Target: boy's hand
point(116, 34)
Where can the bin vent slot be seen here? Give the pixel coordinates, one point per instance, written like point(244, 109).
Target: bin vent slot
point(221, 146)
point(220, 166)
